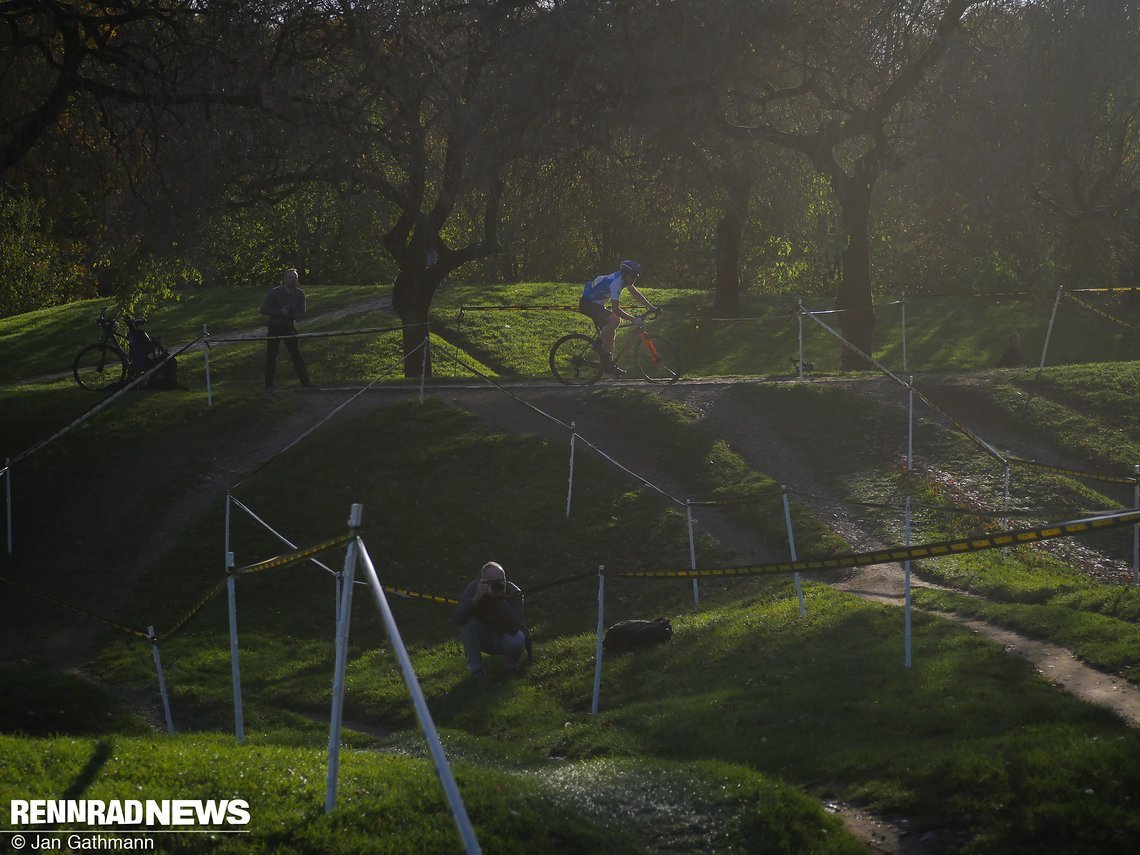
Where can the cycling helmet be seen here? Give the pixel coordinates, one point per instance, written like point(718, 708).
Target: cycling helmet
point(631, 266)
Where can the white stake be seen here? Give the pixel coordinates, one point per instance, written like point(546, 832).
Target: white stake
point(161, 680)
point(342, 625)
point(1136, 528)
point(423, 368)
point(1049, 332)
point(235, 668)
point(692, 551)
point(800, 321)
point(792, 547)
point(570, 486)
point(601, 623)
point(903, 302)
point(910, 423)
point(442, 769)
point(8, 503)
point(209, 388)
point(906, 587)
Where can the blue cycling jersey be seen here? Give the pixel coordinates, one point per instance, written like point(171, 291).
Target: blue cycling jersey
point(604, 288)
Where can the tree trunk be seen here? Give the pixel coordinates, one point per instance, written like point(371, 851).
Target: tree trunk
point(858, 319)
point(729, 237)
point(411, 299)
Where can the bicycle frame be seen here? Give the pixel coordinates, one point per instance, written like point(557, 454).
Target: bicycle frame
point(637, 334)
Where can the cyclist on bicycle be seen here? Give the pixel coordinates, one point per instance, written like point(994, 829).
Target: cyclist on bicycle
point(593, 305)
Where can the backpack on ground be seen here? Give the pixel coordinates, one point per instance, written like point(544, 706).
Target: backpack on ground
point(632, 634)
point(166, 377)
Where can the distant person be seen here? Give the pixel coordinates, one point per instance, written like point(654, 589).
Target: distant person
point(282, 307)
point(1012, 356)
point(593, 305)
point(489, 617)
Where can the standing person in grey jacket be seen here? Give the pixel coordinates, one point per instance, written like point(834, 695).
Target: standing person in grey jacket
point(282, 306)
point(489, 617)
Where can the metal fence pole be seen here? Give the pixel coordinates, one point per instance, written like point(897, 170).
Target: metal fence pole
point(601, 624)
point(903, 303)
point(906, 584)
point(792, 547)
point(1136, 528)
point(692, 551)
point(8, 499)
point(235, 667)
point(443, 770)
point(424, 365)
point(209, 387)
point(342, 626)
point(161, 680)
point(1049, 332)
point(570, 485)
point(910, 423)
point(800, 320)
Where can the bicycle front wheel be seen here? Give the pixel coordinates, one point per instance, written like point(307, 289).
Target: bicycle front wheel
point(98, 367)
point(575, 361)
point(658, 360)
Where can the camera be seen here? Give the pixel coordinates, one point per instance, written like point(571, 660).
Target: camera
point(498, 586)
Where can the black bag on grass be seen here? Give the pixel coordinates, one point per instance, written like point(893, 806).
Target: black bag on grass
point(631, 634)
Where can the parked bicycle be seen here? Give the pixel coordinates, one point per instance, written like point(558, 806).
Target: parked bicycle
point(108, 362)
point(579, 360)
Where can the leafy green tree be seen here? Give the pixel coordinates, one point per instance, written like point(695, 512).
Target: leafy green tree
point(836, 82)
point(36, 269)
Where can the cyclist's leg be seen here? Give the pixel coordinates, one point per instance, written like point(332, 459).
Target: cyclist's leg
point(606, 324)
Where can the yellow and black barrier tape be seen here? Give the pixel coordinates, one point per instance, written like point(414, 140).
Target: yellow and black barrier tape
point(1074, 473)
point(1100, 312)
point(268, 564)
point(293, 557)
point(138, 633)
point(907, 553)
point(198, 606)
point(977, 440)
point(416, 595)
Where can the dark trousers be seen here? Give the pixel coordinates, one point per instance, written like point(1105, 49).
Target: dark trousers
point(294, 353)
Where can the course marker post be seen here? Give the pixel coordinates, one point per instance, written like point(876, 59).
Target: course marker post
point(1136, 528)
point(692, 551)
point(1049, 331)
point(8, 499)
point(161, 680)
point(424, 363)
point(206, 351)
point(342, 626)
point(792, 547)
point(800, 321)
point(598, 652)
point(1008, 476)
point(906, 584)
point(910, 423)
point(231, 593)
point(902, 303)
point(570, 485)
point(443, 770)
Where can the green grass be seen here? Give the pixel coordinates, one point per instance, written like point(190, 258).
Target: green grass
point(723, 740)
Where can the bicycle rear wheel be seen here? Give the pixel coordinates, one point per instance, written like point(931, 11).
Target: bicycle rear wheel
point(658, 360)
point(575, 361)
point(100, 366)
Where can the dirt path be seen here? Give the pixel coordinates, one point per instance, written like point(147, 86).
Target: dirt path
point(759, 445)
